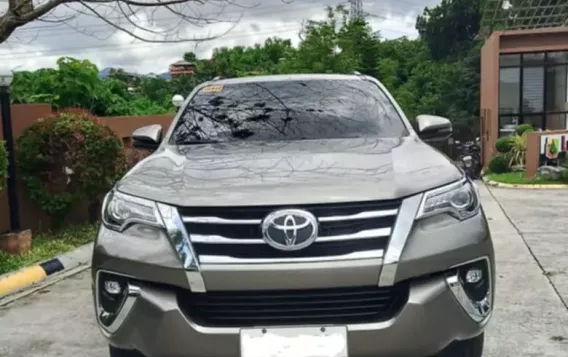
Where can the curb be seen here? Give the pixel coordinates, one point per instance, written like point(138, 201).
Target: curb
point(523, 186)
point(16, 281)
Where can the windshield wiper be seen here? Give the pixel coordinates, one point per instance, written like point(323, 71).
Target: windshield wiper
point(198, 142)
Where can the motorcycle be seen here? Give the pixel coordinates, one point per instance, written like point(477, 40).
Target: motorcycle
point(469, 158)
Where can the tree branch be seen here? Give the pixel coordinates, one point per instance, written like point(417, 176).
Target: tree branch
point(88, 6)
point(126, 19)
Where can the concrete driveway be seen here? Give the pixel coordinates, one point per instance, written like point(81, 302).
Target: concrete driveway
point(530, 317)
point(540, 217)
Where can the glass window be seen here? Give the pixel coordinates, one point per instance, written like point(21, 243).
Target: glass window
point(556, 121)
point(288, 110)
point(557, 57)
point(509, 90)
point(556, 88)
point(510, 60)
point(535, 120)
point(533, 59)
point(533, 89)
point(507, 125)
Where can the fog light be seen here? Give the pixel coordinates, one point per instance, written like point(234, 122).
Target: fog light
point(473, 276)
point(113, 287)
point(471, 284)
point(111, 291)
point(475, 279)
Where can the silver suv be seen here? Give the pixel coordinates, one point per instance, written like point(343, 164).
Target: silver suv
point(293, 216)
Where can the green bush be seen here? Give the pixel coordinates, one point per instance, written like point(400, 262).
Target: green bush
point(505, 144)
point(68, 158)
point(565, 175)
point(3, 164)
point(499, 164)
point(521, 129)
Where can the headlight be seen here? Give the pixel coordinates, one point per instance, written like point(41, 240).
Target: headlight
point(460, 200)
point(120, 211)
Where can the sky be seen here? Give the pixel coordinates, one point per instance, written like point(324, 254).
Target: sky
point(74, 31)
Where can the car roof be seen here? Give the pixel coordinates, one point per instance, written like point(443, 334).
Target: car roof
point(286, 77)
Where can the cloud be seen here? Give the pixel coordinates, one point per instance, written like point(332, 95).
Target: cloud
point(39, 44)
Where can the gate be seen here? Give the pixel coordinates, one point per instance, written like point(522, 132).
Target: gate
point(485, 142)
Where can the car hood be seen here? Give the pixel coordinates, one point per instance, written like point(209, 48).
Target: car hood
point(289, 173)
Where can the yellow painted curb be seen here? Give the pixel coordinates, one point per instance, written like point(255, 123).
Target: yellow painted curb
point(524, 186)
point(21, 279)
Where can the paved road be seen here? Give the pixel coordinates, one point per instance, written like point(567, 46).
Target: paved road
point(530, 319)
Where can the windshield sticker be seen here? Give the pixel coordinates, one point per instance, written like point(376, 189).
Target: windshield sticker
point(213, 89)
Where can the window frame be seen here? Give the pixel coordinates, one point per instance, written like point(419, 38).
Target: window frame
point(521, 65)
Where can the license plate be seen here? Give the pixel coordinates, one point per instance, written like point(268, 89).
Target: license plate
point(328, 341)
point(467, 157)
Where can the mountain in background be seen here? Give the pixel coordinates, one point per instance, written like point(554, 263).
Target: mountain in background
point(104, 73)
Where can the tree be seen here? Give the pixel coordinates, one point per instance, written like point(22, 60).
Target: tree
point(450, 28)
point(320, 51)
point(76, 84)
point(123, 15)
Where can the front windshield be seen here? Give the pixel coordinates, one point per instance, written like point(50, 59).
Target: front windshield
point(288, 110)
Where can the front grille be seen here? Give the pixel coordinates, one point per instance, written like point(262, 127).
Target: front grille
point(235, 232)
point(351, 305)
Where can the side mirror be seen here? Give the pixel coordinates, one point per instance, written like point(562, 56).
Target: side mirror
point(432, 128)
point(147, 137)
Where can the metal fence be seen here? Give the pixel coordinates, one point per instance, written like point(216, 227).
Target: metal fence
point(447, 147)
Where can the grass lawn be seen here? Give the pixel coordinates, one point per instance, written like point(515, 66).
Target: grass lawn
point(519, 178)
point(49, 245)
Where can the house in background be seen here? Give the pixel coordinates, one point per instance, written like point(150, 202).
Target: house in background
point(181, 68)
point(524, 72)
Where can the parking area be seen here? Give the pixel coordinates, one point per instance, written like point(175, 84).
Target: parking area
point(541, 218)
point(531, 246)
point(531, 317)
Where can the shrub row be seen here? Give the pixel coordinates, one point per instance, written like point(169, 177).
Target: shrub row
point(512, 151)
point(67, 158)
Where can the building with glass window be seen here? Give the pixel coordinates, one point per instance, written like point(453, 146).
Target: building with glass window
point(524, 80)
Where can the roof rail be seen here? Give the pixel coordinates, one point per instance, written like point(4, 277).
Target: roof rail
point(218, 78)
point(357, 73)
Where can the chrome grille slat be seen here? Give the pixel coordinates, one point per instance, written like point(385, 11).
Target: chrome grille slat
point(223, 259)
point(362, 215)
point(219, 220)
point(366, 234)
point(233, 235)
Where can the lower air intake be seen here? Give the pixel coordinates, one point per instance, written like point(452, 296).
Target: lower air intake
point(294, 307)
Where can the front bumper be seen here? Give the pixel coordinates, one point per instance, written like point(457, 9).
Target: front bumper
point(436, 314)
point(422, 253)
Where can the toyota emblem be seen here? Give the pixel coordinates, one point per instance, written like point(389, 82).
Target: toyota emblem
point(290, 229)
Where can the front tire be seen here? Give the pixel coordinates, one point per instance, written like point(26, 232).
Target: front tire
point(468, 348)
point(117, 352)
